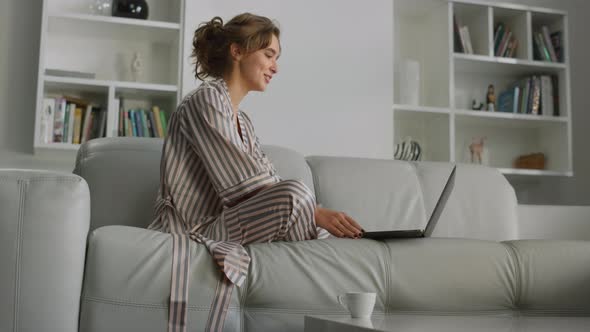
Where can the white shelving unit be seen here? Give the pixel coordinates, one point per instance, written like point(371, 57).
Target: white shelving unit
point(443, 122)
point(74, 39)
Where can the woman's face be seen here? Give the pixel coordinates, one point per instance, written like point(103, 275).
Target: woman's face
point(258, 68)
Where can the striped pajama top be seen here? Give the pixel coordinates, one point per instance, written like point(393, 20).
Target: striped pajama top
point(205, 167)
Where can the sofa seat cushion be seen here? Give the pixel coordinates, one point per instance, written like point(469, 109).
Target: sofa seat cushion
point(128, 275)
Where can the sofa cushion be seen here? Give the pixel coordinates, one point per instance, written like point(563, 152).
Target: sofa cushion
point(127, 279)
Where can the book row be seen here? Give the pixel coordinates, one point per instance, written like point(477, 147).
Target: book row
point(505, 43)
point(67, 119)
point(142, 123)
point(537, 94)
point(548, 45)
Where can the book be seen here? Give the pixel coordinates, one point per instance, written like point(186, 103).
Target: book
point(546, 95)
point(86, 124)
point(70, 127)
point(128, 124)
point(548, 44)
point(121, 128)
point(525, 95)
point(498, 35)
point(557, 45)
point(457, 41)
point(77, 125)
point(535, 95)
point(164, 124)
point(555, 85)
point(466, 40)
point(144, 125)
point(542, 47)
point(58, 120)
point(46, 130)
point(152, 120)
point(156, 111)
point(113, 121)
point(138, 124)
point(148, 123)
point(503, 43)
point(133, 123)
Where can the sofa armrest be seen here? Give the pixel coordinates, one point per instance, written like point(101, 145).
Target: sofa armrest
point(44, 220)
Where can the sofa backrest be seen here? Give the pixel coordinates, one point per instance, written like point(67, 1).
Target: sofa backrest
point(123, 177)
point(395, 194)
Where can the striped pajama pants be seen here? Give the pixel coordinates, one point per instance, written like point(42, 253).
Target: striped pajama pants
point(281, 212)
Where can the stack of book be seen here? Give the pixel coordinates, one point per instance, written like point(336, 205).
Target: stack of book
point(505, 44)
point(72, 120)
point(548, 45)
point(462, 38)
point(143, 123)
point(531, 95)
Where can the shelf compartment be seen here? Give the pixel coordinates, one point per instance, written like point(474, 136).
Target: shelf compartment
point(474, 83)
point(515, 22)
point(107, 49)
point(112, 27)
point(554, 23)
point(429, 129)
point(475, 17)
point(509, 138)
point(416, 33)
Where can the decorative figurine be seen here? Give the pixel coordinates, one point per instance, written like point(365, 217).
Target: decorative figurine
point(476, 149)
point(136, 66)
point(475, 106)
point(491, 99)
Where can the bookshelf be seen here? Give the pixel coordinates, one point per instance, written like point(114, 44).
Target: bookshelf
point(74, 39)
point(453, 75)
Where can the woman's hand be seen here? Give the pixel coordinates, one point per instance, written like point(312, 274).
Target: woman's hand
point(337, 223)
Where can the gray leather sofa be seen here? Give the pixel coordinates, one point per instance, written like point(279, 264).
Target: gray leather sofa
point(474, 264)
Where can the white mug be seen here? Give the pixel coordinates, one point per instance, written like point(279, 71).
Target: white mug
point(360, 305)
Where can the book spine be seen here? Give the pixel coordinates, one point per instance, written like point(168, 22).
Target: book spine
point(536, 95)
point(156, 111)
point(46, 133)
point(86, 123)
point(58, 123)
point(458, 44)
point(164, 124)
point(77, 125)
point(144, 124)
point(133, 123)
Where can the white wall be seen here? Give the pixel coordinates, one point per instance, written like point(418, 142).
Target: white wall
point(20, 23)
point(333, 92)
point(554, 222)
point(332, 95)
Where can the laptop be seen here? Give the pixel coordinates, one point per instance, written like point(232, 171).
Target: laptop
point(427, 231)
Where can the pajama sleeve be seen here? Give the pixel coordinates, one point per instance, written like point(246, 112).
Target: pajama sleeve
point(209, 128)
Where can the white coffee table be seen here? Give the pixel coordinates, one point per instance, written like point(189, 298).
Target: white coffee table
point(424, 323)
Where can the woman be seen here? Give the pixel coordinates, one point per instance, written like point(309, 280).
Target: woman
point(217, 185)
